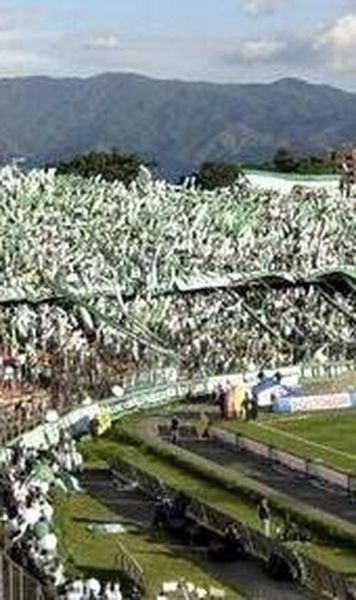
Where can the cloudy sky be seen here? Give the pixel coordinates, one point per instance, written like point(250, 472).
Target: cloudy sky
point(216, 40)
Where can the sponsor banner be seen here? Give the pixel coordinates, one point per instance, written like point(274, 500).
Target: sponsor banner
point(283, 405)
point(313, 403)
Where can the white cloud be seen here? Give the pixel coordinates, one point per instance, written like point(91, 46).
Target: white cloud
point(338, 44)
point(22, 62)
point(255, 7)
point(110, 42)
point(325, 50)
point(259, 50)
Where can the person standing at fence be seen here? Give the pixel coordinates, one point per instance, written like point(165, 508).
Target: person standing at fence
point(9, 375)
point(254, 407)
point(244, 411)
point(174, 431)
point(220, 396)
point(264, 515)
point(345, 181)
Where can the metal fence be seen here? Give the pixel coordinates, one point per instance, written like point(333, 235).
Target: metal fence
point(326, 371)
point(22, 414)
point(131, 568)
point(16, 584)
point(276, 457)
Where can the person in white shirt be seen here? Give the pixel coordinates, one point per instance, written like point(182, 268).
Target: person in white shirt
point(112, 591)
point(93, 588)
point(46, 509)
point(32, 514)
point(49, 543)
point(9, 376)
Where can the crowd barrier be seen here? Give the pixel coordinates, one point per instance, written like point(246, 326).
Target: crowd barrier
point(130, 567)
point(16, 584)
point(326, 371)
point(306, 371)
point(25, 412)
point(313, 469)
point(312, 575)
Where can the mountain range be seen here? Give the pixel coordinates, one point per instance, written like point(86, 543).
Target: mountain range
point(178, 125)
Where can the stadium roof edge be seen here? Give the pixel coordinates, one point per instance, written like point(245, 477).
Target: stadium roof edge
point(339, 278)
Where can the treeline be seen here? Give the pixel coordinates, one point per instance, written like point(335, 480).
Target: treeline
point(115, 164)
point(285, 161)
point(111, 165)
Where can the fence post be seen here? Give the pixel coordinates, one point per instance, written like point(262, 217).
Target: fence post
point(270, 453)
point(39, 593)
point(21, 584)
point(237, 441)
point(350, 487)
point(328, 371)
point(308, 464)
point(11, 580)
point(2, 590)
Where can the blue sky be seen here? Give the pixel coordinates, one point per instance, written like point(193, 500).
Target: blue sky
point(215, 40)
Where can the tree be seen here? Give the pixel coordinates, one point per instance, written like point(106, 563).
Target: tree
point(111, 165)
point(284, 161)
point(217, 175)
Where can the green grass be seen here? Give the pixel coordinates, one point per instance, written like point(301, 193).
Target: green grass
point(328, 436)
point(91, 552)
point(214, 490)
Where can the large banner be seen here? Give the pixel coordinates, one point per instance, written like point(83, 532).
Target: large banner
point(290, 404)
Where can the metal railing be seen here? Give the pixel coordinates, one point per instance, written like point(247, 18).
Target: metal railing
point(17, 584)
point(307, 467)
point(131, 569)
point(321, 371)
point(22, 414)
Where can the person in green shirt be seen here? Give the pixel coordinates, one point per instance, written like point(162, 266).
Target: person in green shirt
point(41, 528)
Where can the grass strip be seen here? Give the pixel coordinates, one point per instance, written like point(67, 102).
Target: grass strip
point(94, 554)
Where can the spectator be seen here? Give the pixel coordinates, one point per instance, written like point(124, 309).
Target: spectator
point(254, 407)
point(174, 430)
point(264, 515)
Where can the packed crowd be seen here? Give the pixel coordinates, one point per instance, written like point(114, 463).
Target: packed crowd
point(221, 332)
point(228, 331)
point(63, 232)
point(105, 251)
point(29, 478)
